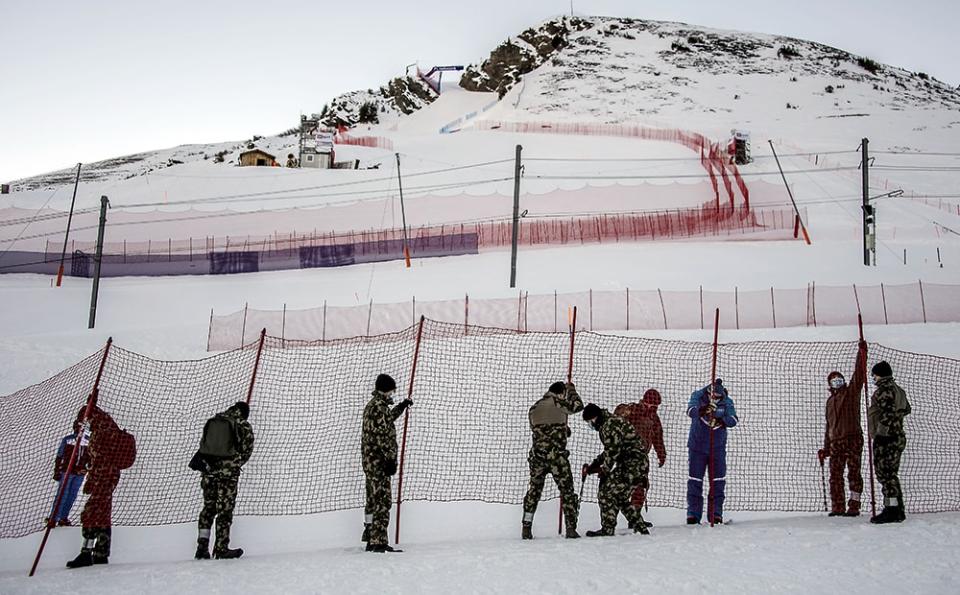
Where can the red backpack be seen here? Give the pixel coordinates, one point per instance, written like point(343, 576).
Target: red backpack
point(126, 449)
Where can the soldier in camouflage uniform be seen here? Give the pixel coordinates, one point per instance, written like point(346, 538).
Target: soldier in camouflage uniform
point(888, 407)
point(622, 466)
point(219, 484)
point(549, 454)
point(379, 448)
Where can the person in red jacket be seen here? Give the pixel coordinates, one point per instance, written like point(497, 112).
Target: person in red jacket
point(645, 421)
point(103, 475)
point(843, 436)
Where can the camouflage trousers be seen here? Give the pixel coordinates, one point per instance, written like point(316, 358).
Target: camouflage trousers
point(379, 499)
point(616, 490)
point(557, 464)
point(886, 464)
point(219, 498)
point(845, 453)
point(96, 540)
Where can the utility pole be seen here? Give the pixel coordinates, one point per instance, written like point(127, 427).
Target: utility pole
point(516, 218)
point(63, 254)
point(869, 219)
point(104, 203)
point(403, 215)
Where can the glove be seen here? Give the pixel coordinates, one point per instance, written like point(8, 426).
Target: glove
point(662, 461)
point(390, 467)
point(594, 467)
point(57, 476)
point(404, 404)
point(822, 454)
point(720, 412)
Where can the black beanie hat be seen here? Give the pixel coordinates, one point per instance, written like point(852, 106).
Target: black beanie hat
point(243, 408)
point(591, 411)
point(882, 369)
point(385, 383)
point(557, 388)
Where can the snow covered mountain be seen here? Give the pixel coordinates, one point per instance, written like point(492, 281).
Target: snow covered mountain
point(611, 70)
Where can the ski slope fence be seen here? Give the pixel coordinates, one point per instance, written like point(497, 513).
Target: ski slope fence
point(607, 310)
point(374, 142)
point(712, 157)
point(248, 254)
point(467, 436)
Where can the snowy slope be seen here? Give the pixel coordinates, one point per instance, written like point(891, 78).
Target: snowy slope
point(630, 73)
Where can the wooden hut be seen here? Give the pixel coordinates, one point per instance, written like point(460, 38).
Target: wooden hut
point(257, 157)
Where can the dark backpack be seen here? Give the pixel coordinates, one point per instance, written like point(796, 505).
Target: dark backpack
point(126, 449)
point(220, 438)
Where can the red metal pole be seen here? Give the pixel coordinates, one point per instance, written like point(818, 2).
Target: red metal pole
point(573, 332)
point(256, 364)
point(713, 380)
point(866, 398)
point(406, 419)
point(91, 399)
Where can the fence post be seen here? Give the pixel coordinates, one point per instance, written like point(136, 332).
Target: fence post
point(209, 329)
point(628, 308)
point(883, 296)
point(369, 316)
point(773, 308)
point(923, 304)
point(283, 327)
point(701, 307)
point(813, 301)
point(662, 309)
point(406, 418)
point(243, 328)
point(466, 313)
point(91, 399)
point(736, 304)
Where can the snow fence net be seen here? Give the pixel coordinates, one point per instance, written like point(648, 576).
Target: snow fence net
point(467, 434)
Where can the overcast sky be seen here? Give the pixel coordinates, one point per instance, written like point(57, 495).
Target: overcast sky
point(87, 80)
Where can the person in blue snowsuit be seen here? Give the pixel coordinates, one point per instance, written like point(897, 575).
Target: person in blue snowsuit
point(711, 411)
point(71, 482)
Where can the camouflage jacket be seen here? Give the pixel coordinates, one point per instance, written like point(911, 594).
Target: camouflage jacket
point(231, 467)
point(378, 442)
point(888, 407)
point(548, 420)
point(621, 445)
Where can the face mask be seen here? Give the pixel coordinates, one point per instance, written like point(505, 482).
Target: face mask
point(837, 382)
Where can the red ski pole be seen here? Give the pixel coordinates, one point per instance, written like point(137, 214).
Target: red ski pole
point(713, 380)
point(91, 399)
point(572, 320)
point(866, 398)
point(406, 419)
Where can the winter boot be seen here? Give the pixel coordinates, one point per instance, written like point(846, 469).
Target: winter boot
point(572, 533)
point(227, 553)
point(853, 508)
point(100, 559)
point(901, 514)
point(381, 548)
point(203, 549)
point(600, 533)
point(887, 515)
point(84, 559)
point(366, 533)
point(527, 531)
point(692, 520)
point(717, 519)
